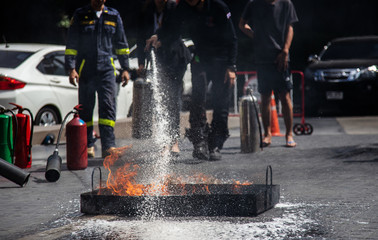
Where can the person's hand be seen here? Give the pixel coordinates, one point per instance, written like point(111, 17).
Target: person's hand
point(140, 70)
point(230, 77)
point(125, 78)
point(282, 60)
point(153, 41)
point(73, 77)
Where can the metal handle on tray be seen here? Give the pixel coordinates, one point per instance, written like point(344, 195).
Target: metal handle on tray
point(269, 169)
point(100, 176)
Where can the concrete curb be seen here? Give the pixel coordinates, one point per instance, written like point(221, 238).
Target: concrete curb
point(123, 127)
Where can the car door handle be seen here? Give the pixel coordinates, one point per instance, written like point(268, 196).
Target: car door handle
point(54, 80)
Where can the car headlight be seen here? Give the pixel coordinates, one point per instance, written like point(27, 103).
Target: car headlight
point(365, 73)
point(317, 76)
point(313, 75)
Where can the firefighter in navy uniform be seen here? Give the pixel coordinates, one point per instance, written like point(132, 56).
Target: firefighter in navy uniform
point(208, 23)
point(172, 59)
point(95, 32)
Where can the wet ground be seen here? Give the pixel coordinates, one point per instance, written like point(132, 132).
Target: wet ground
point(328, 187)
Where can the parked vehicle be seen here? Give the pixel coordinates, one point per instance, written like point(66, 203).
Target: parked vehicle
point(33, 76)
point(344, 76)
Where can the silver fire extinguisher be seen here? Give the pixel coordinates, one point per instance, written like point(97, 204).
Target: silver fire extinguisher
point(142, 109)
point(250, 127)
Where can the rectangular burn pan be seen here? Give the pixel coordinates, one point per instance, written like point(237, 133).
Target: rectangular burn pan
point(188, 200)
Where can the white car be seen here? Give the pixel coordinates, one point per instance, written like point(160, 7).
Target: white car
point(33, 76)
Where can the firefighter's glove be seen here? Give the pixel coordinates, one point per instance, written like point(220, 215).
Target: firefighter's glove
point(125, 78)
point(73, 77)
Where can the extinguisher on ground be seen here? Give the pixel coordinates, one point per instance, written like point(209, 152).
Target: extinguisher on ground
point(250, 126)
point(76, 138)
point(7, 149)
point(7, 140)
point(23, 136)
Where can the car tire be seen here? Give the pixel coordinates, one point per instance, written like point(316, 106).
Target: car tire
point(47, 116)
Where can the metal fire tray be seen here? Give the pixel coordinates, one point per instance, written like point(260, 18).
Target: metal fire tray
point(189, 200)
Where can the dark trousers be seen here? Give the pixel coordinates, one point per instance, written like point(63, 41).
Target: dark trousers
point(104, 84)
point(202, 74)
point(172, 88)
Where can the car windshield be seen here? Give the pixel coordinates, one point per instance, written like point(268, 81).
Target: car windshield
point(351, 50)
point(12, 59)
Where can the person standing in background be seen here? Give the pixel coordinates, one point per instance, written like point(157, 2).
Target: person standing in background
point(270, 24)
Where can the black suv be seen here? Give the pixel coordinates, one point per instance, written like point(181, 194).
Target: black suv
point(343, 77)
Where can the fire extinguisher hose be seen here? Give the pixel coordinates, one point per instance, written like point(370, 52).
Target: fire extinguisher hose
point(31, 132)
point(15, 134)
point(258, 121)
point(61, 129)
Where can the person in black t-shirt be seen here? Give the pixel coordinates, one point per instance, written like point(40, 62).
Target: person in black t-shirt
point(270, 24)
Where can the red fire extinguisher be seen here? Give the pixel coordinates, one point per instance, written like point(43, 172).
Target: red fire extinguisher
point(76, 137)
point(23, 136)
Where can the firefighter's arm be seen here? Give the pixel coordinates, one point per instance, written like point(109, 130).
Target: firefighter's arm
point(232, 45)
point(245, 28)
point(72, 50)
point(122, 51)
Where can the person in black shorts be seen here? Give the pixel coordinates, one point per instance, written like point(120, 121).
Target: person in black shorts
point(270, 24)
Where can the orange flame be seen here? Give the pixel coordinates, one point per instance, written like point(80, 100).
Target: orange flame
point(122, 181)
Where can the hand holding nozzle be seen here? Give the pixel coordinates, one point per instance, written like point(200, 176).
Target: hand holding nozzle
point(152, 42)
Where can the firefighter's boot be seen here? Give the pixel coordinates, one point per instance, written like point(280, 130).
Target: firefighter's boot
point(216, 141)
point(198, 136)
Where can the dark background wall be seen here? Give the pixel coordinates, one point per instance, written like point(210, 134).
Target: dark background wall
point(320, 21)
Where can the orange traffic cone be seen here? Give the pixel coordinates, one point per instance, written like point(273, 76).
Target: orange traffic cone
point(275, 127)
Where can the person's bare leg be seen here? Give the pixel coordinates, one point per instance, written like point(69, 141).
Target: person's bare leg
point(287, 112)
point(175, 147)
point(265, 116)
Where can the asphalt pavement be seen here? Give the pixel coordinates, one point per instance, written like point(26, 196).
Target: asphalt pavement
point(328, 187)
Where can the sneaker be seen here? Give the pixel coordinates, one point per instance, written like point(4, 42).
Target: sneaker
point(215, 154)
point(108, 152)
point(200, 151)
point(91, 152)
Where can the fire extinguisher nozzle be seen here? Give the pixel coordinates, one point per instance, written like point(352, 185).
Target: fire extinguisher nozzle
point(53, 167)
point(13, 173)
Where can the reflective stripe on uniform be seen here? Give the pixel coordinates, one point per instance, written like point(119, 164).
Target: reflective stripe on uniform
point(81, 67)
point(88, 22)
point(89, 124)
point(110, 23)
point(106, 122)
point(115, 71)
point(123, 51)
point(70, 52)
